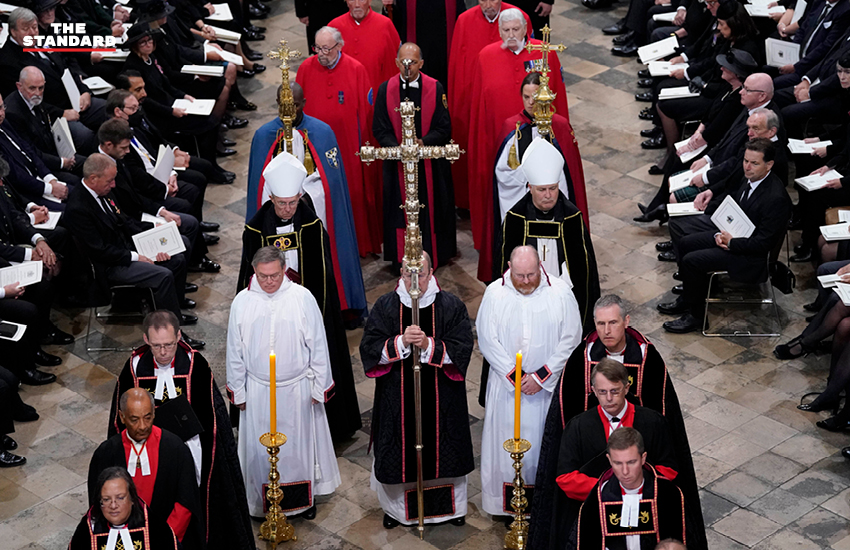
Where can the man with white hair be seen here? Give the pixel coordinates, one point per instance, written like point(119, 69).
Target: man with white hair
point(339, 93)
point(494, 99)
point(530, 312)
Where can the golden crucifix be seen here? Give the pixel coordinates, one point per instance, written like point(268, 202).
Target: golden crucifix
point(286, 104)
point(544, 97)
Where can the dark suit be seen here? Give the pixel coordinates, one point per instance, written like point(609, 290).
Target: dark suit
point(819, 37)
point(25, 167)
point(769, 208)
point(106, 237)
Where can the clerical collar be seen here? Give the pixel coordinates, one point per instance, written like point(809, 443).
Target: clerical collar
point(414, 84)
point(635, 491)
point(617, 353)
point(425, 300)
point(545, 215)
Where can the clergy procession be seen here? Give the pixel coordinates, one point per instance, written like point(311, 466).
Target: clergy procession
point(416, 312)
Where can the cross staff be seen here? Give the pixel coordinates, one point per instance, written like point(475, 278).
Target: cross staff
point(544, 96)
point(286, 104)
point(410, 153)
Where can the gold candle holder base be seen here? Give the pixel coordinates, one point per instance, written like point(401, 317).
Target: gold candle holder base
point(517, 537)
point(275, 529)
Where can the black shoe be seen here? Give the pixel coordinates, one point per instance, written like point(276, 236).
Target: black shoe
point(7, 443)
point(206, 266)
point(653, 132)
point(390, 523)
point(209, 226)
point(309, 513)
point(255, 28)
point(814, 406)
point(845, 452)
point(210, 240)
point(783, 351)
point(190, 287)
point(253, 56)
point(257, 70)
point(617, 28)
point(46, 360)
point(254, 13)
point(805, 256)
point(56, 337)
point(623, 38)
point(248, 35)
point(245, 73)
point(834, 424)
point(246, 105)
point(658, 213)
point(667, 256)
point(225, 152)
point(686, 323)
point(645, 83)
point(629, 49)
point(676, 307)
point(645, 96)
point(648, 113)
point(225, 177)
point(654, 170)
point(677, 276)
point(187, 303)
point(25, 413)
point(664, 246)
point(644, 73)
point(814, 307)
point(678, 289)
point(194, 343)
point(234, 123)
point(460, 522)
point(259, 6)
point(226, 142)
point(658, 142)
point(34, 377)
point(188, 319)
point(8, 460)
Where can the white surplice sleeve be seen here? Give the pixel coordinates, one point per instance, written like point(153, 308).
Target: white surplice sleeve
point(316, 341)
point(501, 362)
point(569, 337)
point(236, 368)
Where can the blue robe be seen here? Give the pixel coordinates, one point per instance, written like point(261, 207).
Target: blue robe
point(324, 148)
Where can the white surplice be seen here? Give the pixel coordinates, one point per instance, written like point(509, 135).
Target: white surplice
point(313, 185)
point(546, 326)
point(303, 373)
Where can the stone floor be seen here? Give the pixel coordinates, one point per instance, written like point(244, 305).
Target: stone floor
point(770, 478)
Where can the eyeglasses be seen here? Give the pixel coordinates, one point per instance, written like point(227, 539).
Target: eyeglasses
point(164, 347)
point(131, 110)
point(324, 50)
point(273, 277)
point(612, 393)
point(751, 91)
point(108, 502)
point(145, 40)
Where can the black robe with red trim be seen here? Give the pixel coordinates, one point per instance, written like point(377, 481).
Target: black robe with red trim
point(222, 491)
point(447, 441)
point(436, 192)
point(151, 533)
point(661, 515)
point(651, 387)
point(315, 267)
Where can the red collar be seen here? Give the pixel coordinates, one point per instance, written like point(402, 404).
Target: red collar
point(627, 421)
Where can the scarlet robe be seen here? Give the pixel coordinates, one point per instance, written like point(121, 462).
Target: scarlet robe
point(472, 33)
point(342, 97)
point(495, 97)
point(373, 42)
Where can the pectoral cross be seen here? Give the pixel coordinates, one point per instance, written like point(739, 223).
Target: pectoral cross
point(544, 96)
point(286, 103)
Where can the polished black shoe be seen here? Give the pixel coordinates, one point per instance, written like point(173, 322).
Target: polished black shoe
point(224, 152)
point(815, 407)
point(676, 307)
point(46, 360)
point(805, 256)
point(677, 276)
point(645, 96)
point(617, 28)
point(206, 266)
point(209, 226)
point(56, 337)
point(644, 73)
point(190, 287)
point(834, 424)
point(309, 513)
point(8, 460)
point(226, 142)
point(460, 522)
point(234, 123)
point(686, 323)
point(225, 177)
point(654, 170)
point(629, 49)
point(245, 73)
point(254, 56)
point(658, 213)
point(657, 142)
point(845, 452)
point(664, 246)
point(255, 28)
point(390, 523)
point(678, 289)
point(34, 377)
point(254, 13)
point(188, 319)
point(210, 239)
point(623, 38)
point(648, 113)
point(193, 343)
point(257, 70)
point(645, 83)
point(253, 36)
point(653, 132)
point(814, 307)
point(187, 303)
point(667, 256)
point(261, 7)
point(248, 105)
point(7, 443)
point(787, 351)
point(24, 413)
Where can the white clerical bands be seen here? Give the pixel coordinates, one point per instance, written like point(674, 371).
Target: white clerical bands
point(112, 539)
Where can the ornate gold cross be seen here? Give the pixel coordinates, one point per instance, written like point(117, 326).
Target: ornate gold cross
point(544, 97)
point(286, 104)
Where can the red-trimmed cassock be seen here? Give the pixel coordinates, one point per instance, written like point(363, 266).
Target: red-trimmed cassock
point(145, 533)
point(164, 475)
point(342, 97)
point(373, 41)
point(472, 32)
point(495, 97)
point(437, 219)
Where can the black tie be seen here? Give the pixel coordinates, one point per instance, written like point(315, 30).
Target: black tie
point(815, 29)
point(108, 209)
point(745, 196)
point(615, 420)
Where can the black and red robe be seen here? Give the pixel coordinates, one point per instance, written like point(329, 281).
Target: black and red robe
point(92, 533)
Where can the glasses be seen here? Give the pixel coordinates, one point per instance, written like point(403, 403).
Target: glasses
point(612, 393)
point(2, 106)
point(108, 502)
point(751, 91)
point(273, 277)
point(143, 41)
point(131, 110)
point(324, 50)
point(164, 347)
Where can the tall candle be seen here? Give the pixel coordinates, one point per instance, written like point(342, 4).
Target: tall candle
point(517, 394)
point(273, 388)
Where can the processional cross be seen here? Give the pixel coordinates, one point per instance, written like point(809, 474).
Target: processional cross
point(410, 153)
point(286, 103)
point(544, 97)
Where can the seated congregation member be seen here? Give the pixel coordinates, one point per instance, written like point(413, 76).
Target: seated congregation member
point(632, 502)
point(444, 342)
point(170, 369)
point(105, 232)
point(763, 198)
point(12, 409)
point(118, 515)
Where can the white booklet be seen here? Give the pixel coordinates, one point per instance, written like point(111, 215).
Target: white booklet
point(71, 89)
point(843, 291)
point(118, 55)
point(203, 70)
point(730, 218)
point(682, 209)
point(761, 10)
point(781, 52)
point(50, 224)
point(225, 55)
point(815, 182)
point(799, 10)
point(686, 157)
point(658, 50)
point(837, 232)
point(682, 180)
point(844, 216)
point(27, 273)
point(829, 281)
point(7, 8)
point(97, 85)
point(156, 220)
point(222, 13)
point(162, 238)
point(164, 164)
point(664, 68)
point(198, 107)
point(225, 35)
point(9, 330)
point(63, 139)
point(676, 93)
point(800, 147)
point(665, 17)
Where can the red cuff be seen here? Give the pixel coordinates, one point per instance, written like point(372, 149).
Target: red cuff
point(667, 472)
point(230, 394)
point(511, 376)
point(179, 520)
point(576, 485)
point(543, 374)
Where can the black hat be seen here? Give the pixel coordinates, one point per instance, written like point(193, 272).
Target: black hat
point(151, 10)
point(40, 6)
point(139, 31)
point(727, 9)
point(739, 62)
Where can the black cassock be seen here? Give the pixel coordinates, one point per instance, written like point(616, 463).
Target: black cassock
point(436, 192)
point(222, 491)
point(175, 481)
point(316, 272)
point(93, 533)
point(445, 428)
point(651, 387)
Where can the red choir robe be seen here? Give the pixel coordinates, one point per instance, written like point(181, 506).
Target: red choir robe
point(495, 97)
point(472, 32)
point(373, 42)
point(342, 97)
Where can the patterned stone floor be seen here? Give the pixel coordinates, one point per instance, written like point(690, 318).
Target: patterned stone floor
point(770, 478)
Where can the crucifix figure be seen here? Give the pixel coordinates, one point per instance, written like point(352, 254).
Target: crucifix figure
point(543, 98)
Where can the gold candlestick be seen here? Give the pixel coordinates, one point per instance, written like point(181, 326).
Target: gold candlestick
point(517, 537)
point(275, 529)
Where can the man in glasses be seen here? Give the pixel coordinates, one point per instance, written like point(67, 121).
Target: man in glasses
point(169, 369)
